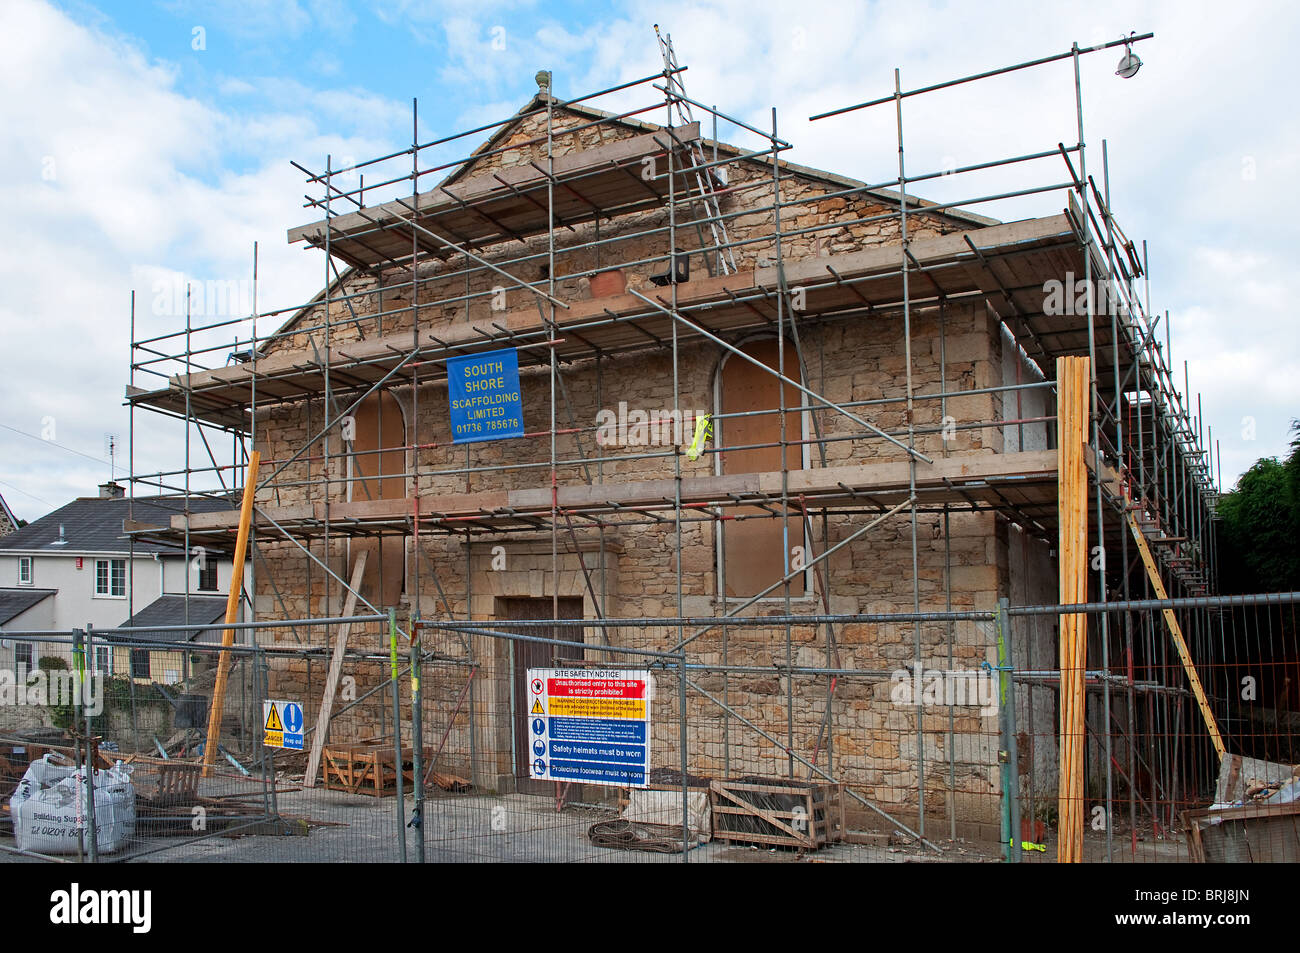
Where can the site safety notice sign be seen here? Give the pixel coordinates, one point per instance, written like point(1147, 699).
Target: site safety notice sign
point(282, 724)
point(589, 725)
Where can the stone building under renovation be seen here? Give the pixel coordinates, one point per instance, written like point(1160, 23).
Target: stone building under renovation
point(789, 423)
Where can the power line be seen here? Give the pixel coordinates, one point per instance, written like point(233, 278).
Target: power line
point(53, 444)
point(25, 493)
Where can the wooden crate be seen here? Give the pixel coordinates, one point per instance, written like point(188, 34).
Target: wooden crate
point(367, 768)
point(812, 815)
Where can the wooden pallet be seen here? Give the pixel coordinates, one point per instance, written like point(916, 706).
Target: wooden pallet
point(171, 778)
point(812, 815)
point(366, 769)
point(178, 778)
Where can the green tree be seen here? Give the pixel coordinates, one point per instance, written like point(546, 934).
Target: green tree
point(1260, 526)
point(1293, 463)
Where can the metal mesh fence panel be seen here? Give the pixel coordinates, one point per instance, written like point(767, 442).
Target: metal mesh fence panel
point(1157, 788)
point(856, 738)
point(789, 738)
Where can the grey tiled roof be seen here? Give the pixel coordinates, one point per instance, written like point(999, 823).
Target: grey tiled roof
point(14, 602)
point(170, 610)
point(94, 525)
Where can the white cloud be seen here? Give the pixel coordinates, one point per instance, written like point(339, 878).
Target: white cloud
point(112, 179)
point(230, 86)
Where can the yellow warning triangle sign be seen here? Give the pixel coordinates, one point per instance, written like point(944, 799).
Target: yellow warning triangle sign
point(537, 707)
point(273, 720)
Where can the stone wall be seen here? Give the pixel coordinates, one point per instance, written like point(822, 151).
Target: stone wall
point(638, 243)
point(632, 571)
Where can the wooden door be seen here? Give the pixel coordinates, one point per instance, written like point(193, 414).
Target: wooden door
point(528, 655)
point(755, 548)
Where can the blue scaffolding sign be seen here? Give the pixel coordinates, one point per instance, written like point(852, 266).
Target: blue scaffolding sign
point(484, 396)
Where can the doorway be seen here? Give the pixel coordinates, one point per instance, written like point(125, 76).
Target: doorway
point(526, 655)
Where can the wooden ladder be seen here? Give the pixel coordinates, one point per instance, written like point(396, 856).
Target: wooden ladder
point(1176, 631)
point(704, 177)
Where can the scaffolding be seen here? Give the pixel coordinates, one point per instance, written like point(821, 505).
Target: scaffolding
point(433, 242)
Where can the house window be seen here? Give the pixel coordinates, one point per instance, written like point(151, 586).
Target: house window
point(208, 576)
point(23, 656)
point(24, 570)
point(103, 660)
point(110, 577)
point(139, 663)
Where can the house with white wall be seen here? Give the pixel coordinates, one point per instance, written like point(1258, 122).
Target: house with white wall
point(77, 567)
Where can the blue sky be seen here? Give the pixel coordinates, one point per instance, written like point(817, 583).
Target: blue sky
point(394, 51)
point(142, 143)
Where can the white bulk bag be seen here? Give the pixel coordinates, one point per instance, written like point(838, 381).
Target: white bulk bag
point(48, 808)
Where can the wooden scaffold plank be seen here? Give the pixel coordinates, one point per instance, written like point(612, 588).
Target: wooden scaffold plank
point(1072, 403)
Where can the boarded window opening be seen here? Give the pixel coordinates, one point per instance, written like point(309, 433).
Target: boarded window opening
point(757, 548)
point(377, 462)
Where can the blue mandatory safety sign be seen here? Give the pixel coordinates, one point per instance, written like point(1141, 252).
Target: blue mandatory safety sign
point(610, 753)
point(633, 775)
point(291, 712)
point(484, 397)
